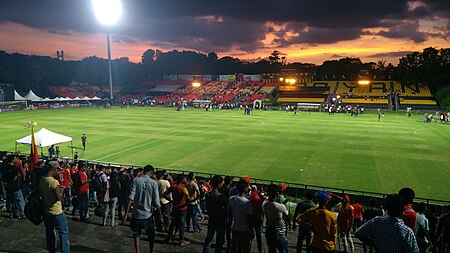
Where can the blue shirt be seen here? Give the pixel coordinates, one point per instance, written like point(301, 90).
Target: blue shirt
point(144, 194)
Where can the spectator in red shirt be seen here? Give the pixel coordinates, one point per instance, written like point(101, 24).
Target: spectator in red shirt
point(345, 223)
point(82, 191)
point(409, 216)
point(258, 215)
point(65, 182)
point(358, 212)
point(180, 198)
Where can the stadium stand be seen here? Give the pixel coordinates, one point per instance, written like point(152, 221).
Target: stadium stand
point(414, 96)
point(76, 91)
point(417, 102)
point(315, 92)
point(389, 94)
point(269, 87)
point(244, 92)
point(375, 89)
point(383, 101)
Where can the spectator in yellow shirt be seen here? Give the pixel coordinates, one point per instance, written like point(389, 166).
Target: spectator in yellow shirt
point(323, 223)
point(54, 217)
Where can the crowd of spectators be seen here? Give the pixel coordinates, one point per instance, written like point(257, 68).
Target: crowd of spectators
point(237, 212)
point(441, 117)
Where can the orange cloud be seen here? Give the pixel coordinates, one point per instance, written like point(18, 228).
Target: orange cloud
point(23, 39)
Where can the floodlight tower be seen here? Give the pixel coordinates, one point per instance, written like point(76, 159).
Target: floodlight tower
point(108, 13)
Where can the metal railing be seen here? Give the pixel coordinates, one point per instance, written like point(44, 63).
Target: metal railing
point(294, 190)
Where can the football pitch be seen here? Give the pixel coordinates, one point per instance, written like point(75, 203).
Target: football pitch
point(338, 150)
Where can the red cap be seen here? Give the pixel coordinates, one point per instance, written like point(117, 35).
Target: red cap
point(346, 197)
point(247, 179)
point(283, 186)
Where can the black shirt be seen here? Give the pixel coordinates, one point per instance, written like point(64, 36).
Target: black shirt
point(216, 205)
point(11, 171)
point(114, 185)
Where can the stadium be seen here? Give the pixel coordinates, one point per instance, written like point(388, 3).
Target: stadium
point(269, 129)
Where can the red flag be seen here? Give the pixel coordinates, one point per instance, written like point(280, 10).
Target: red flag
point(34, 155)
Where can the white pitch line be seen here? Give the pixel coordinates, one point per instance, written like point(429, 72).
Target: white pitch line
point(138, 146)
point(438, 131)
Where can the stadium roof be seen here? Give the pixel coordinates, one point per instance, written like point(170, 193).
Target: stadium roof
point(31, 96)
point(18, 97)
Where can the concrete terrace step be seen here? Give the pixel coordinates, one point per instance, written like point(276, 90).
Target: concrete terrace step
point(19, 236)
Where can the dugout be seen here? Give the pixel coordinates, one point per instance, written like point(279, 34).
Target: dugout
point(201, 103)
point(312, 107)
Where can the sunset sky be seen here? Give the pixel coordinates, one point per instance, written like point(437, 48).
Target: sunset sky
point(306, 31)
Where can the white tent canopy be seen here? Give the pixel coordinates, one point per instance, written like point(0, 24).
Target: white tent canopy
point(18, 97)
point(46, 99)
point(33, 97)
point(45, 138)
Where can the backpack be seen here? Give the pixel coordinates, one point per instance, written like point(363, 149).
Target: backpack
point(98, 185)
point(33, 208)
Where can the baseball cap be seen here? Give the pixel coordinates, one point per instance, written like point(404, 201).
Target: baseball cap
point(55, 164)
point(322, 196)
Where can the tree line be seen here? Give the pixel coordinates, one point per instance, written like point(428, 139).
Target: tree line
point(430, 67)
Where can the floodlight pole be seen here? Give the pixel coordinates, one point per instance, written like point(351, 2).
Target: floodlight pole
point(109, 65)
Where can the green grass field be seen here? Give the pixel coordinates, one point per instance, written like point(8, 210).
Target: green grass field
point(356, 153)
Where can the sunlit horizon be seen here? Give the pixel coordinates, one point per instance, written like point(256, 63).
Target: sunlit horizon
point(76, 46)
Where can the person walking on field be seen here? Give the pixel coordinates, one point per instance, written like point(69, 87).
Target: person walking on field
point(84, 141)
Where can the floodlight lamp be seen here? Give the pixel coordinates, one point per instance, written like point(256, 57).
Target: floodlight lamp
point(287, 80)
point(281, 79)
point(108, 12)
point(292, 81)
point(196, 84)
point(363, 82)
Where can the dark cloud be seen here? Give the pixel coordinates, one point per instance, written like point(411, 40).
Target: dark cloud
point(397, 54)
point(337, 56)
point(232, 24)
point(314, 35)
point(409, 30)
